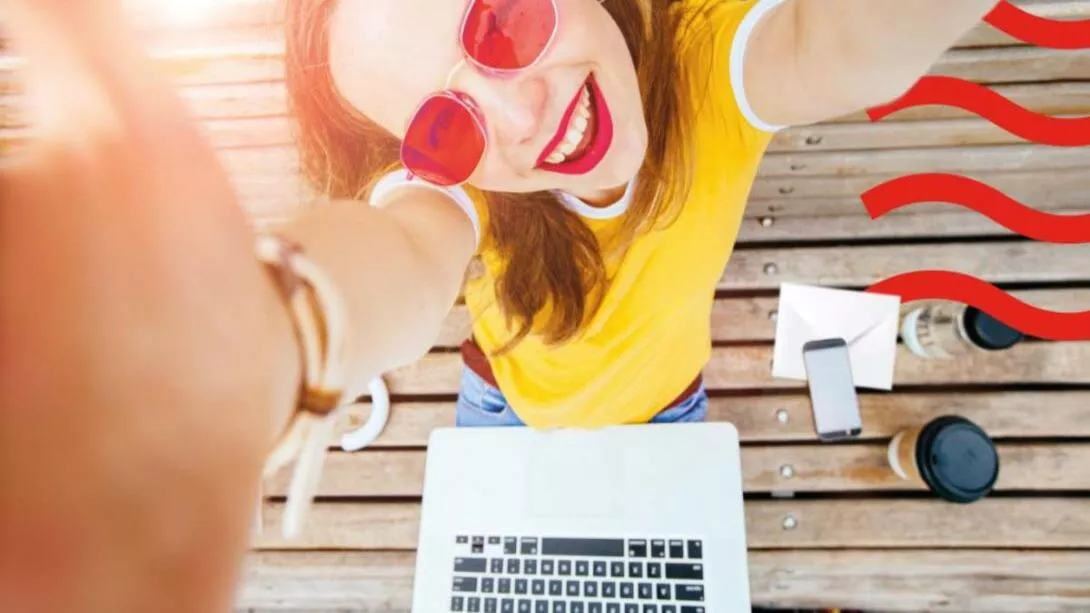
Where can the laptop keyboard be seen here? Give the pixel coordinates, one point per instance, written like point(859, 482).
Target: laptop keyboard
point(577, 575)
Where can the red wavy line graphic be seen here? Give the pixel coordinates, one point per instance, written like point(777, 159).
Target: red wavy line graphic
point(979, 100)
point(981, 198)
point(1039, 31)
point(946, 285)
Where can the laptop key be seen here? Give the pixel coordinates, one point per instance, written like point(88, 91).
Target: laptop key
point(662, 591)
point(628, 590)
point(637, 548)
point(529, 546)
point(650, 608)
point(691, 609)
point(473, 605)
point(613, 607)
point(563, 568)
point(470, 565)
point(572, 588)
point(577, 607)
point(685, 571)
point(522, 586)
point(600, 569)
point(513, 566)
point(507, 606)
point(529, 567)
point(677, 550)
point(669, 608)
point(556, 587)
point(457, 603)
point(465, 584)
point(488, 585)
point(495, 566)
point(635, 570)
point(689, 592)
point(696, 550)
point(616, 569)
point(560, 607)
point(647, 591)
point(461, 539)
point(590, 589)
point(504, 586)
point(538, 587)
point(609, 589)
point(491, 605)
point(493, 540)
point(654, 570)
point(525, 606)
point(632, 608)
point(599, 548)
point(658, 549)
point(594, 607)
point(582, 568)
point(510, 545)
point(541, 606)
point(548, 567)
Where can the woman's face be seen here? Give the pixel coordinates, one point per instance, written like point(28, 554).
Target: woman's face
point(544, 130)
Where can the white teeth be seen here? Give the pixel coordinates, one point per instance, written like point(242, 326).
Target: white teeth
point(576, 130)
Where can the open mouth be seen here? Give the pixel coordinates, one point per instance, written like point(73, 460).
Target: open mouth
point(584, 136)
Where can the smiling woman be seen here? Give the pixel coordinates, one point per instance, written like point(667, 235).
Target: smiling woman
point(603, 151)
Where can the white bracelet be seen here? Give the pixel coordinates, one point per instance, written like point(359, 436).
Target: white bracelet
point(318, 313)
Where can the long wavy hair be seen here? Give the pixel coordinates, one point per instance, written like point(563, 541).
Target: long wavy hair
point(551, 258)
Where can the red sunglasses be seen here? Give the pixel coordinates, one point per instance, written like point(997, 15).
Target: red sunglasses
point(446, 137)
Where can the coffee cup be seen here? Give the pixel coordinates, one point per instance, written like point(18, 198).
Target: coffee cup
point(951, 456)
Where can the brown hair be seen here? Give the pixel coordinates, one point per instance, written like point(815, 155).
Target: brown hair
point(551, 257)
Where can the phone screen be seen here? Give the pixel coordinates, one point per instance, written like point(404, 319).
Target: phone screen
point(832, 390)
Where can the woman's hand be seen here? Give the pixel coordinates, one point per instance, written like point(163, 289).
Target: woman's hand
point(146, 362)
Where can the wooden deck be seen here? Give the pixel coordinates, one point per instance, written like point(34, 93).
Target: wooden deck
point(840, 531)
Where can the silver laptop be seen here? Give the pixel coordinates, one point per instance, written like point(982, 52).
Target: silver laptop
point(632, 519)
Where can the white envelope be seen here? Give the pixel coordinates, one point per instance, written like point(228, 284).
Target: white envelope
point(868, 322)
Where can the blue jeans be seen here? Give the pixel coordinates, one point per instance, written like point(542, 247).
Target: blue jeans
point(482, 405)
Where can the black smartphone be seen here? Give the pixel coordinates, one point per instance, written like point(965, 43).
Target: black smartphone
point(832, 390)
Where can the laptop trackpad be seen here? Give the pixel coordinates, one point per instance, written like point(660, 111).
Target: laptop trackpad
point(572, 474)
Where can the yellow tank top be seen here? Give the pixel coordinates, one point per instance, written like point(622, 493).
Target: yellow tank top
point(651, 335)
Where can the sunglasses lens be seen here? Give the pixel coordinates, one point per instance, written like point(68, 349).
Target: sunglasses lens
point(508, 34)
point(444, 142)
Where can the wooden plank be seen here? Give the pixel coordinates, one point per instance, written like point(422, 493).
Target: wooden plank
point(1032, 188)
point(749, 368)
point(223, 133)
point(1002, 523)
point(1049, 98)
point(817, 468)
point(753, 319)
point(1015, 65)
point(892, 134)
point(955, 223)
point(1004, 415)
point(986, 36)
point(1003, 262)
point(990, 581)
point(940, 159)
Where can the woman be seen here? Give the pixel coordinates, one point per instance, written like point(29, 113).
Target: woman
point(608, 149)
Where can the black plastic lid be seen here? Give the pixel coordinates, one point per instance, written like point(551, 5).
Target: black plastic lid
point(989, 333)
point(957, 459)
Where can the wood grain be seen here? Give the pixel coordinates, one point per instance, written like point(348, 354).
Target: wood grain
point(1003, 262)
point(1004, 415)
point(989, 581)
point(1001, 523)
point(1047, 98)
point(816, 468)
point(927, 221)
point(892, 134)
